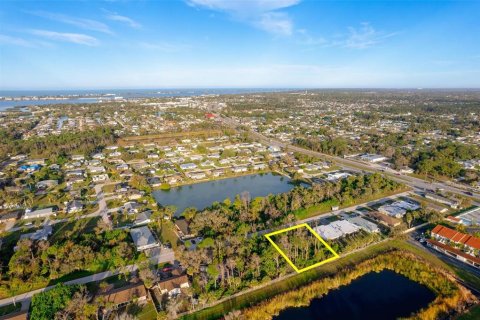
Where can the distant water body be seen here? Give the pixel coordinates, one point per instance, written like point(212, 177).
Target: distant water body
point(125, 93)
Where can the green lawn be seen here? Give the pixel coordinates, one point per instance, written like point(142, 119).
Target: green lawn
point(62, 229)
point(148, 312)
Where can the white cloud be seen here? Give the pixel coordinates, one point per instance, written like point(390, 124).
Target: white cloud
point(364, 37)
point(276, 22)
point(67, 37)
point(128, 21)
point(8, 40)
point(86, 24)
point(263, 14)
point(245, 7)
point(164, 46)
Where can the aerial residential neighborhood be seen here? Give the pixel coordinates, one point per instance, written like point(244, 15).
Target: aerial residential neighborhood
point(239, 160)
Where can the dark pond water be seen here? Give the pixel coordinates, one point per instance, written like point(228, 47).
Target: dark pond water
point(202, 195)
point(375, 296)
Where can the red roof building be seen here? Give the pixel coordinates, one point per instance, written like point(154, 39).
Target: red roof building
point(447, 234)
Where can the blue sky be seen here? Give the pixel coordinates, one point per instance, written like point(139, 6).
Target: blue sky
point(252, 43)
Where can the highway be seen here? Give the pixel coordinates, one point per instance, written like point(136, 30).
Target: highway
point(355, 165)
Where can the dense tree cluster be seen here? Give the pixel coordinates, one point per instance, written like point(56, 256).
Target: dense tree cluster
point(53, 146)
point(36, 263)
point(233, 256)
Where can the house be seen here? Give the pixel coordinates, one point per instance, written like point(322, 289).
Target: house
point(183, 229)
point(188, 166)
point(30, 168)
point(173, 286)
point(41, 213)
point(78, 157)
point(134, 194)
point(259, 166)
point(196, 157)
point(74, 206)
point(72, 180)
point(123, 296)
point(198, 175)
point(100, 177)
point(154, 181)
point(384, 219)
point(336, 229)
point(364, 224)
point(239, 169)
point(143, 218)
point(393, 211)
point(75, 173)
point(122, 167)
point(143, 238)
point(93, 169)
point(173, 179)
point(10, 216)
point(98, 156)
point(407, 205)
point(274, 149)
point(46, 184)
point(131, 207)
point(218, 172)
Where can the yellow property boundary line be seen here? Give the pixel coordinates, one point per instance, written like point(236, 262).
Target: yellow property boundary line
point(303, 225)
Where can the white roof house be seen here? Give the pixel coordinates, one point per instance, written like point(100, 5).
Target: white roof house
point(364, 224)
point(188, 166)
point(407, 205)
point(42, 213)
point(393, 211)
point(143, 238)
point(336, 229)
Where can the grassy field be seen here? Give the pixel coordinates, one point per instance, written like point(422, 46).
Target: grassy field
point(62, 229)
point(148, 312)
point(297, 280)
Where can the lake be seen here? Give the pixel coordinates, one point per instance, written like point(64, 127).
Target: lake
point(374, 296)
point(202, 195)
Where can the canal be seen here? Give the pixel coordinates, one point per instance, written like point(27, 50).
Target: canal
point(202, 195)
point(374, 296)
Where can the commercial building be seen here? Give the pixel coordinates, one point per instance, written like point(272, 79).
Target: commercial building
point(336, 229)
point(364, 224)
point(374, 158)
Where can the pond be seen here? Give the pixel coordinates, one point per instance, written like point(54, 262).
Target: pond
point(374, 296)
point(202, 195)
